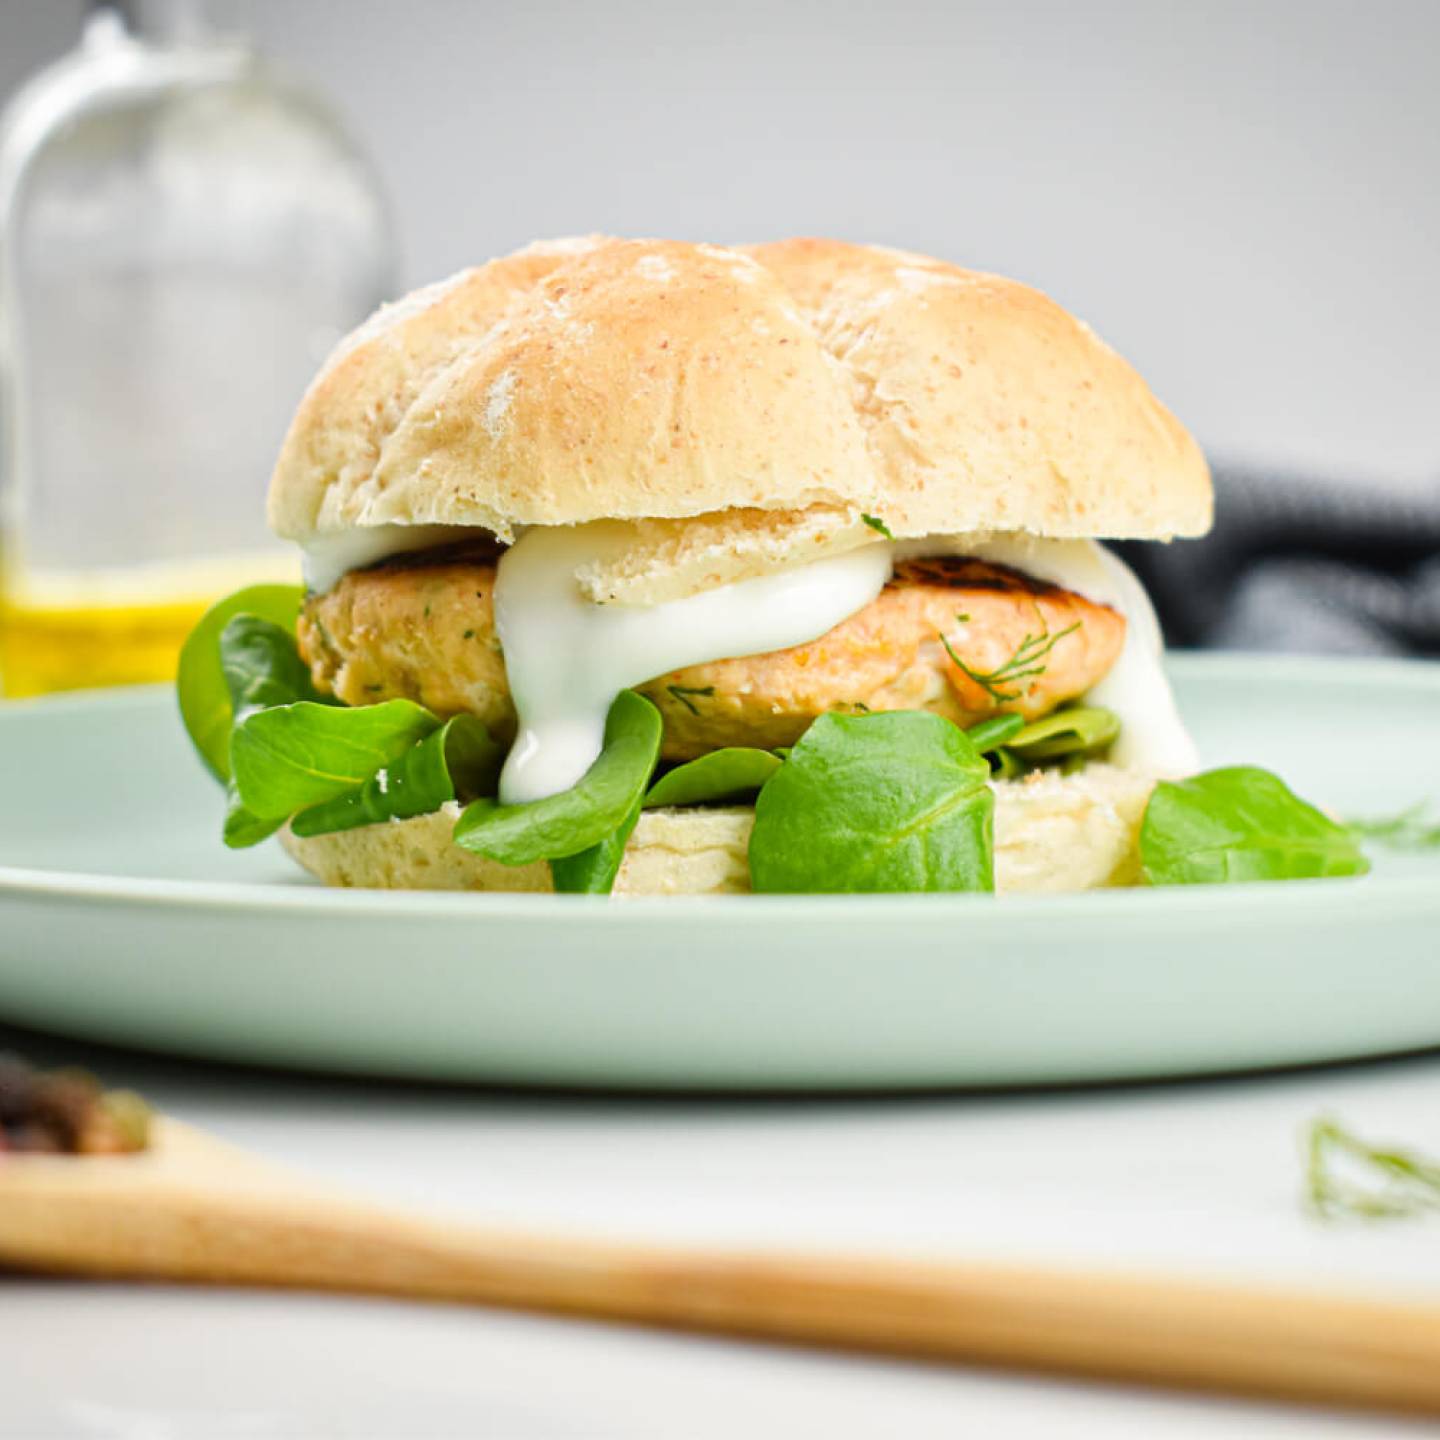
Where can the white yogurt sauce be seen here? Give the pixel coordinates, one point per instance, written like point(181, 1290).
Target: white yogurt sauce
point(1153, 737)
point(567, 658)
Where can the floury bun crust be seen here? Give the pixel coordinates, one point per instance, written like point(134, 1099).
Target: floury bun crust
point(1052, 833)
point(778, 391)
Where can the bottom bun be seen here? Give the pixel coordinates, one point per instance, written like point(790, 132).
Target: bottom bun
point(1052, 832)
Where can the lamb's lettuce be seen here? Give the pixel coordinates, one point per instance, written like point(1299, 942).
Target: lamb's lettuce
point(723, 776)
point(889, 802)
point(590, 811)
point(1240, 823)
point(259, 667)
point(262, 667)
point(1071, 737)
point(593, 871)
point(989, 735)
point(458, 759)
point(241, 828)
point(287, 753)
point(201, 685)
point(292, 754)
point(1075, 730)
point(290, 757)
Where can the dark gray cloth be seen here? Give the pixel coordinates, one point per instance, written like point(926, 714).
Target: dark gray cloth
point(1299, 563)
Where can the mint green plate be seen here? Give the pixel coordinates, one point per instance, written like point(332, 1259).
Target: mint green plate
point(123, 918)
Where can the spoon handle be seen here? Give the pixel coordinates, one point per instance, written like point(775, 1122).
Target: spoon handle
point(1156, 1331)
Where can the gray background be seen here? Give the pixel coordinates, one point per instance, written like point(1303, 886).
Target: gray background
point(1244, 198)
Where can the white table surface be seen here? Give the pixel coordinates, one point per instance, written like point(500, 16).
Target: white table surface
point(1199, 1177)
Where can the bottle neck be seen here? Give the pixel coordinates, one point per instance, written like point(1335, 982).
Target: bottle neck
point(158, 22)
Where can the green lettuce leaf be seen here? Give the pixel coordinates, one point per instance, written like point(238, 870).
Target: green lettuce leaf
point(242, 829)
point(733, 774)
point(865, 803)
point(593, 871)
point(257, 721)
point(459, 759)
point(1070, 736)
point(991, 734)
point(1240, 823)
point(205, 701)
point(591, 811)
point(294, 756)
point(262, 667)
point(1083, 730)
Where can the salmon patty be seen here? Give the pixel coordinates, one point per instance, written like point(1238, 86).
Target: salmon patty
point(959, 637)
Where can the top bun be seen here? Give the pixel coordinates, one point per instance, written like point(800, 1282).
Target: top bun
point(791, 386)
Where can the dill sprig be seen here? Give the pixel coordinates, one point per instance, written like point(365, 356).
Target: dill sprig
point(1026, 664)
point(1412, 829)
point(1347, 1178)
point(682, 693)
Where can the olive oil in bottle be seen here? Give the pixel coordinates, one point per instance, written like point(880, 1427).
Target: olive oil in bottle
point(184, 235)
point(65, 632)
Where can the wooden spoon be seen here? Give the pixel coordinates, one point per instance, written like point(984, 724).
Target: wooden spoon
point(195, 1209)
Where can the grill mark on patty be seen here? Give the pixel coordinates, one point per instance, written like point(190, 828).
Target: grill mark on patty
point(482, 549)
point(966, 572)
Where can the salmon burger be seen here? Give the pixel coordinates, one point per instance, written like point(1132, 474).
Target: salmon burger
point(656, 567)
